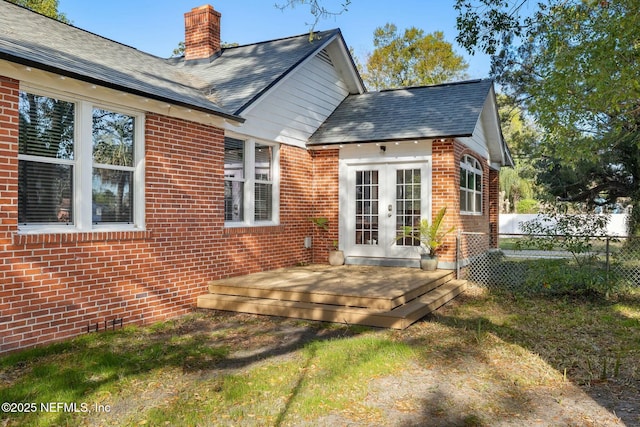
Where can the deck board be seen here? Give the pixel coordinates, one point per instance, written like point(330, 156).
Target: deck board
point(392, 297)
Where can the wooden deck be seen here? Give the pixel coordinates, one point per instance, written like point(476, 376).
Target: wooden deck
point(388, 297)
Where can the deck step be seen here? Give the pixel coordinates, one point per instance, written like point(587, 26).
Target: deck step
point(294, 292)
point(398, 318)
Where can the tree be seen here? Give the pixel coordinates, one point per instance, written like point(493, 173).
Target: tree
point(317, 10)
point(573, 66)
point(45, 7)
point(517, 183)
point(411, 59)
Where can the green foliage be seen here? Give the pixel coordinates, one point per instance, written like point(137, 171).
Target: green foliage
point(412, 58)
point(522, 138)
point(572, 233)
point(527, 206)
point(562, 277)
point(515, 187)
point(45, 7)
point(573, 67)
point(321, 222)
point(429, 235)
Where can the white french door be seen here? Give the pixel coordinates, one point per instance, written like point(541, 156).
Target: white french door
point(380, 200)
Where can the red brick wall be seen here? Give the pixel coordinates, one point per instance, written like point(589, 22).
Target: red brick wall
point(446, 192)
point(55, 285)
point(325, 198)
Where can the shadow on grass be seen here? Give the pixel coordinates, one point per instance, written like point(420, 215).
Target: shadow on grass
point(95, 363)
point(594, 343)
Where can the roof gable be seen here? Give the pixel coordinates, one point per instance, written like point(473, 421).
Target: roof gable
point(240, 75)
point(441, 111)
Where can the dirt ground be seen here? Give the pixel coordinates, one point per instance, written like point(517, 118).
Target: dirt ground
point(436, 395)
point(433, 394)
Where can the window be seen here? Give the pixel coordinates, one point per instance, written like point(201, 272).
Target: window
point(264, 183)
point(46, 165)
point(250, 193)
point(233, 179)
point(470, 186)
point(80, 166)
point(113, 149)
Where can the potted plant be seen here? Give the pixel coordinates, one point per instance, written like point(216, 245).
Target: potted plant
point(430, 237)
point(336, 256)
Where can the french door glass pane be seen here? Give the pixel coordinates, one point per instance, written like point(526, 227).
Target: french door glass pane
point(408, 182)
point(366, 207)
point(45, 192)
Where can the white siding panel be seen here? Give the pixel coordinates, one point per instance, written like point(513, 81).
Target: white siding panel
point(478, 141)
point(301, 103)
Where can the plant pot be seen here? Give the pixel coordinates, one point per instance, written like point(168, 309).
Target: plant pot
point(429, 263)
point(336, 257)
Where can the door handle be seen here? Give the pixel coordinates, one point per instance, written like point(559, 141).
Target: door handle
point(390, 210)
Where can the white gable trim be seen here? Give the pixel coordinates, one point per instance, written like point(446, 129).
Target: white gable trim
point(352, 73)
point(487, 139)
point(297, 106)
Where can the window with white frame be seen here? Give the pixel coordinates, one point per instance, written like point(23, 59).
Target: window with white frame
point(234, 165)
point(470, 186)
point(80, 165)
point(263, 209)
point(250, 185)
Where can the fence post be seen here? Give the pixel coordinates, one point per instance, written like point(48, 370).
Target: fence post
point(608, 252)
point(458, 237)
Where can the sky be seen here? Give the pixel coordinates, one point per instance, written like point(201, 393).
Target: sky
point(156, 26)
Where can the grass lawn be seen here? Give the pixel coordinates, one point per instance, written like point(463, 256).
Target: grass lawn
point(484, 359)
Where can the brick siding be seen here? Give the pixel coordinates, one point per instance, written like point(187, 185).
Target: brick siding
point(446, 192)
point(56, 285)
point(325, 199)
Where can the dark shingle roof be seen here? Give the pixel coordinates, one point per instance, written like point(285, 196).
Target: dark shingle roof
point(441, 111)
point(35, 40)
point(225, 86)
point(239, 75)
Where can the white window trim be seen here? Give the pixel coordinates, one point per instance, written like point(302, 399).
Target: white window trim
point(83, 168)
point(250, 181)
point(480, 174)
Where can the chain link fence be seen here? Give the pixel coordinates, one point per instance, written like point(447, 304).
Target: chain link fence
point(611, 264)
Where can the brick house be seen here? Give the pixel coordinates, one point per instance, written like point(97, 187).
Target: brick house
point(128, 181)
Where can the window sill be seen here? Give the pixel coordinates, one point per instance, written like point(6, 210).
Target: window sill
point(32, 237)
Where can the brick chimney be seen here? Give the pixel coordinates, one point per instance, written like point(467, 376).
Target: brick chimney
point(201, 33)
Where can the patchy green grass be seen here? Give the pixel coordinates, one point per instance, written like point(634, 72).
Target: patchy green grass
point(490, 357)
